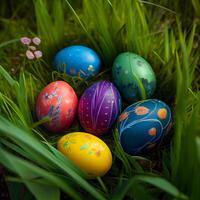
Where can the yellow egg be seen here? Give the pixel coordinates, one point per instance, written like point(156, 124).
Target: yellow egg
point(88, 152)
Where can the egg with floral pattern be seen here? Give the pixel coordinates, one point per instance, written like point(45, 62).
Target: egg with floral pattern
point(78, 61)
point(133, 76)
point(86, 151)
point(59, 102)
point(143, 125)
point(99, 107)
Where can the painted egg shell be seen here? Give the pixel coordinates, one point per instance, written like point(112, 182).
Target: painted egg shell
point(99, 107)
point(88, 152)
point(77, 61)
point(58, 101)
point(142, 125)
point(133, 76)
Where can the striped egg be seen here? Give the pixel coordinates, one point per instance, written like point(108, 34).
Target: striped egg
point(142, 125)
point(99, 107)
point(59, 102)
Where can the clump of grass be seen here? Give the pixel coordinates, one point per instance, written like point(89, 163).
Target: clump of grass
point(185, 146)
point(50, 25)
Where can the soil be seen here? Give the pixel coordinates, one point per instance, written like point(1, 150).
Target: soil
point(4, 194)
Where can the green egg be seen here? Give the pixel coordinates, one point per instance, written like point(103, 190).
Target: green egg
point(133, 76)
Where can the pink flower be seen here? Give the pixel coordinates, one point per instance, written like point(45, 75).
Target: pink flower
point(25, 40)
point(30, 55)
point(32, 51)
point(36, 40)
point(38, 54)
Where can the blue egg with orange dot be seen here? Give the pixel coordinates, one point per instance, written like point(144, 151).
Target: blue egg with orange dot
point(143, 125)
point(78, 61)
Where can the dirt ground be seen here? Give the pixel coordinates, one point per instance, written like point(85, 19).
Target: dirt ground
point(4, 195)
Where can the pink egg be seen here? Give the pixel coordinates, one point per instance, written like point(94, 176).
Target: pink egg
point(58, 101)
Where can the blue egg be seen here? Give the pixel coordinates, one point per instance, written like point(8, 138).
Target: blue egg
point(78, 61)
point(143, 125)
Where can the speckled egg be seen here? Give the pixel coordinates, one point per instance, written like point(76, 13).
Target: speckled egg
point(99, 107)
point(58, 101)
point(133, 76)
point(78, 61)
point(142, 125)
point(88, 152)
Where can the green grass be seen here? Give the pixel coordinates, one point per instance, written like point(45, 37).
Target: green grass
point(166, 33)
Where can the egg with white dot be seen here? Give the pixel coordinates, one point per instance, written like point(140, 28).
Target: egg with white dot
point(77, 60)
point(99, 107)
point(143, 125)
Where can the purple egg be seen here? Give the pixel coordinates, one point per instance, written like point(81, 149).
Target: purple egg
point(99, 107)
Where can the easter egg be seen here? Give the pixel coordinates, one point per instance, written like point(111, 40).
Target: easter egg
point(59, 102)
point(142, 125)
point(88, 152)
point(133, 76)
point(99, 107)
point(78, 61)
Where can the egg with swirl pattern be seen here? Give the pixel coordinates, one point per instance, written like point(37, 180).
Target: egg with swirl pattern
point(99, 107)
point(143, 125)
